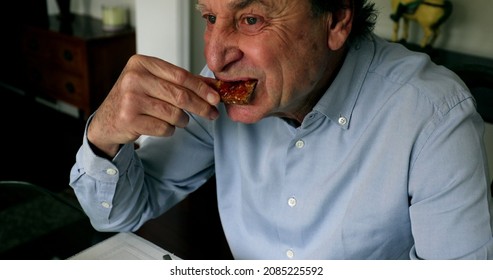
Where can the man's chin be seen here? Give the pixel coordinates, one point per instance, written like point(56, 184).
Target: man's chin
point(243, 113)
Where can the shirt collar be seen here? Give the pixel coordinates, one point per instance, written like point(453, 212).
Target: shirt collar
point(340, 98)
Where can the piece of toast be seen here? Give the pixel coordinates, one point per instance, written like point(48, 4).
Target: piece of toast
point(236, 92)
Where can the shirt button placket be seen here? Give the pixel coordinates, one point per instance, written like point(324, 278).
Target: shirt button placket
point(292, 202)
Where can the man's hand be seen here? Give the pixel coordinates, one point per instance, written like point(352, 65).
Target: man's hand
point(149, 98)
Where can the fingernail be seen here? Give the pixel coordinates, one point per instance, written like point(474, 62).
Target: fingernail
point(212, 98)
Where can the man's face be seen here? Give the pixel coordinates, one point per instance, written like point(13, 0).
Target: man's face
point(277, 42)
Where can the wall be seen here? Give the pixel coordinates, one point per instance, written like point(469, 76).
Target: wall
point(467, 30)
point(163, 30)
point(197, 42)
point(94, 7)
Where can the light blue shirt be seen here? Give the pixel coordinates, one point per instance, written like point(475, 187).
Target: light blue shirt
point(390, 164)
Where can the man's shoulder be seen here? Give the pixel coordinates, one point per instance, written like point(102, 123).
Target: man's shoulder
point(395, 64)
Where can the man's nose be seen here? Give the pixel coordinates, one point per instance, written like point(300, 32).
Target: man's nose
point(222, 49)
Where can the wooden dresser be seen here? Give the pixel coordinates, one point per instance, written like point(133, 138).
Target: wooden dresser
point(76, 63)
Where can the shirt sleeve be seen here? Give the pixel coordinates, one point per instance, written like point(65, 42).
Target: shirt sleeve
point(138, 185)
point(95, 179)
point(450, 203)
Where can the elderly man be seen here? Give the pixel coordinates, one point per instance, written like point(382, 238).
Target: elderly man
point(349, 148)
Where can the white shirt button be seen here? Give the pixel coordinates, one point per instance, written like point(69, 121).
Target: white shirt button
point(290, 254)
point(111, 171)
point(300, 144)
point(105, 204)
point(342, 121)
point(292, 202)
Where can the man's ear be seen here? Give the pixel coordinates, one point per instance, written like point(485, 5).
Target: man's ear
point(339, 26)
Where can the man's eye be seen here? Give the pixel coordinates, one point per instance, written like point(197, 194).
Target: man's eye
point(210, 19)
point(251, 24)
point(251, 20)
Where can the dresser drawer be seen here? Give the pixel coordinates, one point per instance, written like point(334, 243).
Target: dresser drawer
point(69, 88)
point(57, 84)
point(68, 54)
point(78, 64)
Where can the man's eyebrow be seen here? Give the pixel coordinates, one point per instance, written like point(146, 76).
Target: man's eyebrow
point(235, 5)
point(199, 7)
point(241, 4)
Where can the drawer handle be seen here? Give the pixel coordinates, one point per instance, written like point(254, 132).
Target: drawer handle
point(68, 55)
point(70, 87)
